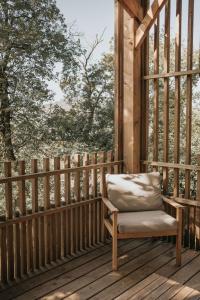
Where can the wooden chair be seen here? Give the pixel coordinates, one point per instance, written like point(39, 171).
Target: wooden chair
point(140, 224)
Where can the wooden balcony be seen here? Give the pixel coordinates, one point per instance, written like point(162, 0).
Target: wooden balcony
point(147, 271)
point(53, 244)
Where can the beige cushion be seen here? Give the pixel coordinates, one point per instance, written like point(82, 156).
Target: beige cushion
point(145, 221)
point(135, 192)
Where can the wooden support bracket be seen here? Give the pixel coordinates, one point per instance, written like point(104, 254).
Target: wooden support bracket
point(148, 21)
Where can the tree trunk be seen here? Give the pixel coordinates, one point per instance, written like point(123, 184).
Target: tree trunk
point(5, 120)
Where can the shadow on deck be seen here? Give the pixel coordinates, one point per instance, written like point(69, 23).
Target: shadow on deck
point(147, 271)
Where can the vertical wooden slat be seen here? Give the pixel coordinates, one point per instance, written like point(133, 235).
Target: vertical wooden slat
point(197, 231)
point(41, 239)
point(67, 179)
point(30, 259)
point(47, 219)
point(87, 208)
point(78, 211)
point(96, 205)
point(177, 95)
point(3, 255)
point(156, 91)
point(34, 169)
point(22, 206)
point(166, 95)
point(17, 248)
point(57, 198)
point(9, 215)
point(189, 95)
point(145, 95)
point(103, 192)
point(110, 158)
point(189, 115)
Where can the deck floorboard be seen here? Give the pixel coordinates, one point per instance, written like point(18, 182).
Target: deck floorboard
point(147, 271)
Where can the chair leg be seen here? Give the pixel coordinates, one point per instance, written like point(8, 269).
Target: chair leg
point(179, 237)
point(114, 243)
point(178, 250)
point(114, 254)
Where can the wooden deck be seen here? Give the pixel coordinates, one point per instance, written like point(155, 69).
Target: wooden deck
point(147, 271)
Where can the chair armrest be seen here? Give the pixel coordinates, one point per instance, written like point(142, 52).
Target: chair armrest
point(109, 205)
point(172, 202)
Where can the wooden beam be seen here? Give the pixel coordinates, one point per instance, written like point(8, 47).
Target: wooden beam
point(133, 8)
point(148, 21)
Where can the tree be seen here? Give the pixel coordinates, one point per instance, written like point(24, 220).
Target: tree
point(90, 99)
point(33, 38)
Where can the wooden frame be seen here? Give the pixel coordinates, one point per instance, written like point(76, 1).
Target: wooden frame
point(112, 228)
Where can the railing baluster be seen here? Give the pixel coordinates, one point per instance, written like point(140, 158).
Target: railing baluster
point(34, 169)
point(68, 201)
point(103, 193)
point(78, 211)
point(22, 206)
point(47, 220)
point(57, 196)
point(86, 208)
point(4, 254)
point(17, 238)
point(9, 215)
point(94, 194)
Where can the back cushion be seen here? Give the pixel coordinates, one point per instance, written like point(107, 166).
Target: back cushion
point(135, 192)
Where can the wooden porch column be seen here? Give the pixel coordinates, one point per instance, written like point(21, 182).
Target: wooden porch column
point(118, 80)
point(132, 97)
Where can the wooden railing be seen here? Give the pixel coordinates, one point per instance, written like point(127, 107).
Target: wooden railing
point(175, 185)
point(50, 210)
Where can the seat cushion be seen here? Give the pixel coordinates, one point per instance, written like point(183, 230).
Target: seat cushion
point(145, 221)
point(135, 192)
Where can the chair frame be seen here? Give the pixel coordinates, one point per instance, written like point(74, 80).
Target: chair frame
point(113, 230)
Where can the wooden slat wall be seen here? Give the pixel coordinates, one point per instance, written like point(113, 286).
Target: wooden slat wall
point(173, 173)
point(63, 218)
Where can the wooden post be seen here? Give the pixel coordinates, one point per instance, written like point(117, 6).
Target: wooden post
point(132, 97)
point(118, 80)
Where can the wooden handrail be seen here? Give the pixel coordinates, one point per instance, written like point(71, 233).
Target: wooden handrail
point(59, 172)
point(171, 165)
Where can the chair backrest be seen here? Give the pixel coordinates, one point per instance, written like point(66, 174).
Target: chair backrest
point(135, 192)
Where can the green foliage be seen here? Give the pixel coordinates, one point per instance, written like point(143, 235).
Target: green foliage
point(34, 37)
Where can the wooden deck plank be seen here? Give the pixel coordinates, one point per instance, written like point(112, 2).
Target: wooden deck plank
point(185, 292)
point(70, 264)
point(147, 271)
point(106, 286)
point(95, 272)
point(153, 281)
point(58, 284)
point(174, 284)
